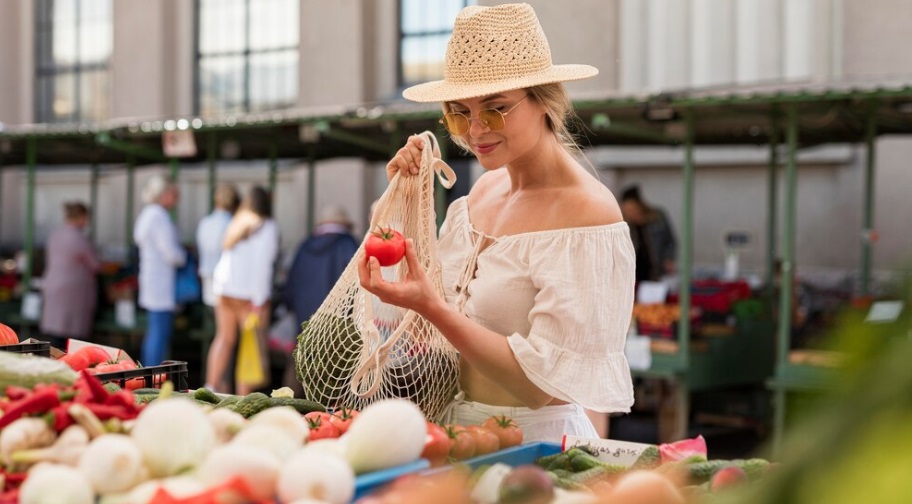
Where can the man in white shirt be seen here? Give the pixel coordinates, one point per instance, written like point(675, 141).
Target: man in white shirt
point(160, 254)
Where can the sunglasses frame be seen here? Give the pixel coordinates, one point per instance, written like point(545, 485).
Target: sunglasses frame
point(486, 124)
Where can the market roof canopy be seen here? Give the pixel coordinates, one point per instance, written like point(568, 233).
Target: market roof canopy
point(829, 112)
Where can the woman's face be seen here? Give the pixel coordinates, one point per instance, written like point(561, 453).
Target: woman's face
point(523, 126)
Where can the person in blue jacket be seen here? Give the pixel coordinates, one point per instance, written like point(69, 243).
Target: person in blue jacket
point(319, 262)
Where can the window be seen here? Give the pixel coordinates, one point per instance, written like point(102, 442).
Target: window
point(74, 40)
point(425, 28)
point(247, 55)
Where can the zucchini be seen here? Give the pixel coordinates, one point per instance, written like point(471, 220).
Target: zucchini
point(703, 471)
point(650, 458)
point(302, 406)
point(205, 395)
point(228, 401)
point(252, 404)
point(29, 370)
point(112, 387)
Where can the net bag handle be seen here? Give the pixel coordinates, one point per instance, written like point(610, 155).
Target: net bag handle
point(367, 378)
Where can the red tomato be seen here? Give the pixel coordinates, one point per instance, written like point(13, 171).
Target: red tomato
point(94, 354)
point(507, 432)
point(386, 244)
point(342, 418)
point(8, 335)
point(109, 367)
point(135, 383)
point(320, 426)
point(485, 440)
point(436, 445)
point(77, 361)
point(462, 442)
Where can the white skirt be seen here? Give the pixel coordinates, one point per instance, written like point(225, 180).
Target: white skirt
point(549, 423)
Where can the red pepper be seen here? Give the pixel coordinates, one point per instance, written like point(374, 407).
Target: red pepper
point(39, 402)
point(10, 497)
point(60, 417)
point(99, 393)
point(121, 398)
point(15, 392)
point(106, 411)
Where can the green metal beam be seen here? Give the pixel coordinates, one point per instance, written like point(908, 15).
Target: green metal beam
point(602, 122)
point(868, 237)
point(328, 131)
point(685, 256)
point(104, 139)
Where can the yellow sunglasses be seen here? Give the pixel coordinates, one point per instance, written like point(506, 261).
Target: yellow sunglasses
point(458, 123)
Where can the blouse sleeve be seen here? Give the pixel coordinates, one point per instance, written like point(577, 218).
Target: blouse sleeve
point(580, 317)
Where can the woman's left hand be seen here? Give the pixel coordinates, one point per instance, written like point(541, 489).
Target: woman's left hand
point(415, 292)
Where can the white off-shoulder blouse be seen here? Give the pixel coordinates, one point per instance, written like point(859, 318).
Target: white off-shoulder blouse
point(562, 298)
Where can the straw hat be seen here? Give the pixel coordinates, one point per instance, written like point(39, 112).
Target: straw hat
point(496, 49)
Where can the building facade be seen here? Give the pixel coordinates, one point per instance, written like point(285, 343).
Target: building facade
point(87, 60)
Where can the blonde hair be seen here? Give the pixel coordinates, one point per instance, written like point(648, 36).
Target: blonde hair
point(559, 115)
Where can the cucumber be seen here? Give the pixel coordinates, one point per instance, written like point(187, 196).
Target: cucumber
point(228, 401)
point(205, 395)
point(112, 387)
point(252, 404)
point(302, 406)
point(29, 370)
point(650, 458)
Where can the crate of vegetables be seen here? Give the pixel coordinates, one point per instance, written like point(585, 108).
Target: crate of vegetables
point(128, 376)
point(30, 347)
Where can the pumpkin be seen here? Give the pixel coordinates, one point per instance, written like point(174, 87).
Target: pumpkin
point(8, 335)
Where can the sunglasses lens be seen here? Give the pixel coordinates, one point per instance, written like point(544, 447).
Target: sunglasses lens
point(491, 118)
point(456, 124)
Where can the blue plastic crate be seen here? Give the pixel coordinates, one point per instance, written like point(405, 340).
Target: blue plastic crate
point(366, 483)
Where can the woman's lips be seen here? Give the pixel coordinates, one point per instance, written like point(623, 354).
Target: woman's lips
point(485, 148)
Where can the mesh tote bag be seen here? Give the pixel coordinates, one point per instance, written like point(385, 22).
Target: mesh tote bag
point(355, 349)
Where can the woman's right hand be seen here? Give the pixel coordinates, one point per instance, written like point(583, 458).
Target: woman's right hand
point(407, 159)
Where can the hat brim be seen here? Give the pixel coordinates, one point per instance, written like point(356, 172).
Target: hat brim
point(444, 91)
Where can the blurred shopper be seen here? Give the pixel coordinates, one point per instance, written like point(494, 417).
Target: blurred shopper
point(69, 285)
point(160, 254)
point(652, 235)
point(242, 281)
point(319, 262)
point(210, 234)
point(317, 265)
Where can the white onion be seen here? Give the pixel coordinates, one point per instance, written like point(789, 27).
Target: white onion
point(173, 435)
point(385, 434)
point(285, 418)
point(259, 469)
point(112, 463)
point(56, 484)
point(314, 475)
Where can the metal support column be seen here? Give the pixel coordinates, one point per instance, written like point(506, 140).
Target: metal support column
point(128, 213)
point(311, 190)
point(868, 235)
point(93, 202)
point(772, 187)
point(787, 275)
point(174, 164)
point(273, 171)
point(29, 245)
point(212, 145)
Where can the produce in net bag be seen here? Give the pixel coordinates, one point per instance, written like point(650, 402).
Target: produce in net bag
point(356, 349)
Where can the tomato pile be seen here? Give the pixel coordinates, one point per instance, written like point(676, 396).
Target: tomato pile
point(457, 442)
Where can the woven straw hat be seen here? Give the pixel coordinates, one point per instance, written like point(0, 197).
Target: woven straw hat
point(496, 49)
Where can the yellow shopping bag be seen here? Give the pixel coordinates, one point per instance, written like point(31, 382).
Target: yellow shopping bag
point(249, 367)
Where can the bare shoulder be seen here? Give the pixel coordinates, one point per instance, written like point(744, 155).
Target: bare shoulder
point(589, 205)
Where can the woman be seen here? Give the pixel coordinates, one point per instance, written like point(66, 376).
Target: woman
point(160, 254)
point(69, 286)
point(242, 282)
point(537, 263)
